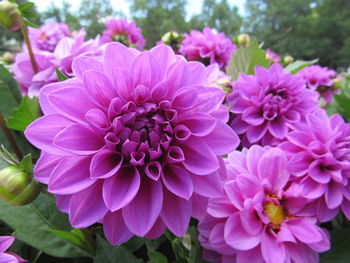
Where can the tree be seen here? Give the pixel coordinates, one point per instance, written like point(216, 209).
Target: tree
point(156, 17)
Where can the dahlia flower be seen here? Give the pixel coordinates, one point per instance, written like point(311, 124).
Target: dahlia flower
point(257, 218)
point(123, 31)
point(5, 256)
point(132, 141)
point(320, 163)
point(267, 105)
point(320, 79)
point(208, 47)
point(272, 56)
point(66, 50)
point(47, 36)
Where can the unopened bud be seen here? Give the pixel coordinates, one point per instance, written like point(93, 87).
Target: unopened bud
point(287, 60)
point(10, 16)
point(337, 82)
point(243, 40)
point(18, 187)
point(8, 58)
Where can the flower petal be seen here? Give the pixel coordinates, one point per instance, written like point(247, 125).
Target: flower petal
point(105, 163)
point(115, 229)
point(178, 181)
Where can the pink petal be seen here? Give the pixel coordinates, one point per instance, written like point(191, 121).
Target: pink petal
point(272, 251)
point(120, 189)
point(220, 207)
point(115, 229)
point(44, 166)
point(305, 230)
point(199, 124)
point(6, 242)
point(105, 163)
point(85, 63)
point(184, 99)
point(157, 230)
point(334, 195)
point(146, 70)
point(178, 181)
point(278, 128)
point(209, 185)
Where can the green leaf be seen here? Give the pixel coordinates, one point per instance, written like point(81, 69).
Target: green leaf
point(33, 222)
point(60, 75)
point(28, 23)
point(157, 257)
point(298, 65)
point(245, 59)
point(343, 104)
point(26, 6)
point(24, 114)
point(10, 95)
point(340, 248)
point(27, 164)
point(106, 253)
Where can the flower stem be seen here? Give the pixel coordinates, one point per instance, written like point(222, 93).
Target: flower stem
point(10, 138)
point(29, 46)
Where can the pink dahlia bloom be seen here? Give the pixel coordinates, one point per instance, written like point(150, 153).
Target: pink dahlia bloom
point(123, 31)
point(320, 79)
point(266, 106)
point(5, 256)
point(133, 141)
point(272, 56)
point(47, 36)
point(320, 162)
point(257, 219)
point(66, 50)
point(208, 47)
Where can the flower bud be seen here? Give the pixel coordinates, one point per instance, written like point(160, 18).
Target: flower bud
point(8, 58)
point(172, 39)
point(287, 60)
point(223, 83)
point(10, 16)
point(17, 187)
point(243, 40)
point(337, 82)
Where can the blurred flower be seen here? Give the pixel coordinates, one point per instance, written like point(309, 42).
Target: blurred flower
point(257, 219)
point(272, 56)
point(17, 187)
point(266, 106)
point(320, 79)
point(243, 40)
point(47, 36)
point(172, 39)
point(10, 16)
point(132, 141)
point(125, 32)
point(320, 162)
point(8, 57)
point(208, 47)
point(287, 60)
point(62, 57)
point(6, 256)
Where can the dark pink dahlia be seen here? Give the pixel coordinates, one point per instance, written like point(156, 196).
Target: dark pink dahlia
point(132, 141)
point(320, 162)
point(208, 47)
point(123, 31)
point(257, 218)
point(266, 106)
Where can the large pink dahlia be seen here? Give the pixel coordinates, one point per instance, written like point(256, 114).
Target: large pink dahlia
point(6, 256)
point(123, 31)
point(257, 219)
point(320, 162)
point(132, 141)
point(266, 106)
point(47, 36)
point(208, 47)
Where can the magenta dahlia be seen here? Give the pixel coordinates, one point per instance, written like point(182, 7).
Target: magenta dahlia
point(257, 218)
point(321, 79)
point(320, 163)
point(6, 256)
point(208, 47)
point(132, 141)
point(272, 56)
point(47, 36)
point(125, 32)
point(266, 106)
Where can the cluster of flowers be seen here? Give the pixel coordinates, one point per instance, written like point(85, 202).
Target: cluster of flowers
point(135, 140)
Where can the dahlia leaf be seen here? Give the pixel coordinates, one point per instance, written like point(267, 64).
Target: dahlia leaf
point(106, 253)
point(24, 114)
point(340, 247)
point(245, 59)
point(33, 222)
point(27, 164)
point(60, 75)
point(298, 65)
point(156, 257)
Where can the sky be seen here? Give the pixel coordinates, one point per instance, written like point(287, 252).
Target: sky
point(193, 7)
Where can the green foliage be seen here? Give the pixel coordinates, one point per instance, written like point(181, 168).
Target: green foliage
point(156, 257)
point(340, 247)
point(60, 75)
point(32, 223)
point(298, 65)
point(24, 114)
point(245, 59)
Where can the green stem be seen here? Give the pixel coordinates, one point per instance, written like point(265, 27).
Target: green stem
point(29, 46)
point(10, 138)
point(41, 216)
point(37, 256)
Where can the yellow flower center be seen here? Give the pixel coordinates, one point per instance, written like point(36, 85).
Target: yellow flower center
point(275, 213)
point(43, 36)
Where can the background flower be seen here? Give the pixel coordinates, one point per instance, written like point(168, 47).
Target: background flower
point(6, 256)
point(132, 141)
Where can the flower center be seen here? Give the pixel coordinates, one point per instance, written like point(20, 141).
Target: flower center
point(122, 38)
point(275, 213)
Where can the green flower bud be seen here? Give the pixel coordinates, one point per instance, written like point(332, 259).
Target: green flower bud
point(337, 82)
point(10, 16)
point(172, 39)
point(17, 187)
point(8, 58)
point(287, 60)
point(243, 40)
